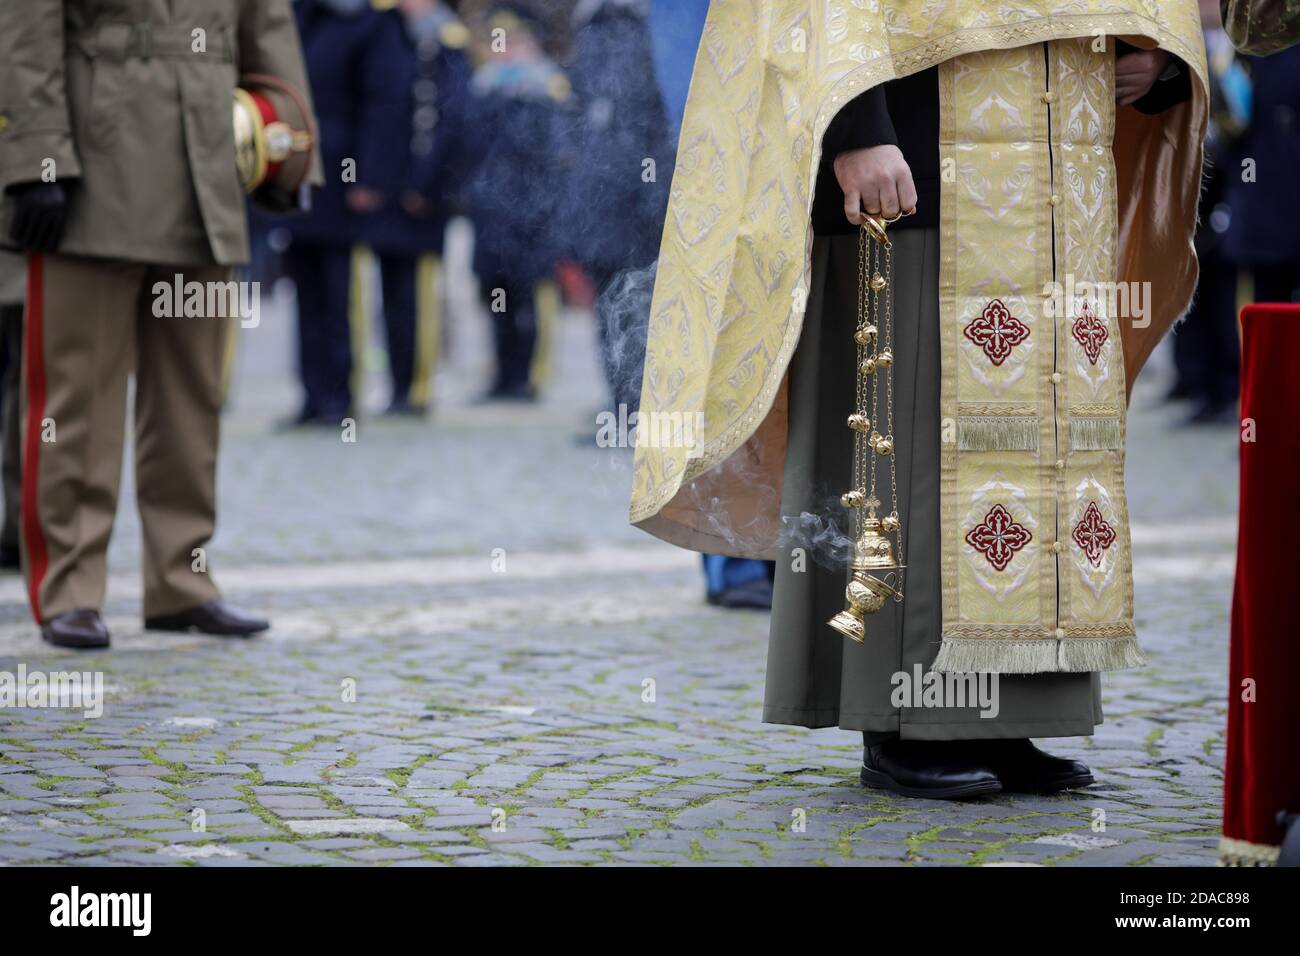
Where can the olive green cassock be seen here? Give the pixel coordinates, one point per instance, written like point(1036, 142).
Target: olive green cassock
point(816, 677)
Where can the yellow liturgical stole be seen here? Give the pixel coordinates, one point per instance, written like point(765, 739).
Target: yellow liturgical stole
point(1065, 241)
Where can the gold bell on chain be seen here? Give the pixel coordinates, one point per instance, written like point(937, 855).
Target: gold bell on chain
point(866, 593)
point(859, 422)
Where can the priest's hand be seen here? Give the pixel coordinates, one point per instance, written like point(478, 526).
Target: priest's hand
point(1136, 73)
point(876, 179)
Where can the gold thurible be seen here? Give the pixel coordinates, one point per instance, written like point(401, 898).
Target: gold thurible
point(866, 593)
point(876, 568)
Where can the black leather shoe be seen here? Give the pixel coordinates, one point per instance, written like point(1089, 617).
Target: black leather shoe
point(215, 617)
point(82, 629)
point(1023, 768)
point(936, 769)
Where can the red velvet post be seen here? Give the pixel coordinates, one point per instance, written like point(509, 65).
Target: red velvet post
point(1262, 774)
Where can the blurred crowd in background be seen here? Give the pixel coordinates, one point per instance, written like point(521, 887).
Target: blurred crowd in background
point(550, 126)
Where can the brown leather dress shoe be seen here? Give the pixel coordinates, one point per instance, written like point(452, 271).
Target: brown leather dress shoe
point(82, 629)
point(215, 617)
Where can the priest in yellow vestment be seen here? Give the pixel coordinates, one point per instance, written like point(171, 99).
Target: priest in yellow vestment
point(1047, 154)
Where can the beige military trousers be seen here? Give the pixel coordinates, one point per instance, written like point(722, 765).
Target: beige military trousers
point(90, 324)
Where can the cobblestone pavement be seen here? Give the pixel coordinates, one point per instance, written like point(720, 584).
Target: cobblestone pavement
point(501, 716)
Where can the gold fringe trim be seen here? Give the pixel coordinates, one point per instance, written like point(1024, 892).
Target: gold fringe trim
point(997, 433)
point(1094, 434)
point(1100, 654)
point(963, 656)
point(1244, 853)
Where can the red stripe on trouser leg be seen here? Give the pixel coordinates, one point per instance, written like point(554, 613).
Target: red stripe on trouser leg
point(34, 371)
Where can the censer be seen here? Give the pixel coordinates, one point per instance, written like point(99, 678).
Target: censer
point(875, 574)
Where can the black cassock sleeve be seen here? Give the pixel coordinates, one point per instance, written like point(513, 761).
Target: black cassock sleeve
point(863, 122)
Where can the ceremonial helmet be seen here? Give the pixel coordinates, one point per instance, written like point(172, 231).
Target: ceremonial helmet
point(274, 133)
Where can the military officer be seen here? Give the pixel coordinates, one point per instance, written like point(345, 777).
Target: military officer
point(350, 48)
point(407, 233)
point(117, 161)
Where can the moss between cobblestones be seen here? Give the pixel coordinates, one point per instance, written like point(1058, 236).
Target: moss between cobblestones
point(347, 763)
point(1209, 743)
point(844, 843)
point(1152, 742)
point(531, 780)
point(881, 808)
point(245, 790)
point(304, 745)
point(179, 774)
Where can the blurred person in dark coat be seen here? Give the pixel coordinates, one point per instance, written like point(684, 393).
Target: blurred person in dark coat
point(407, 232)
point(1205, 343)
point(519, 99)
point(618, 193)
point(351, 50)
point(1264, 195)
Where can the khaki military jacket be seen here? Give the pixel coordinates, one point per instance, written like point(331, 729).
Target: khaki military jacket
point(129, 102)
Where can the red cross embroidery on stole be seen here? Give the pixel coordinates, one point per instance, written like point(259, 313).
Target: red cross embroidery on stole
point(1093, 534)
point(998, 537)
point(1090, 332)
point(996, 331)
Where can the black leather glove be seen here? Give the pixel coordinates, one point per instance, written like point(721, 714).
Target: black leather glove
point(273, 199)
point(40, 215)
